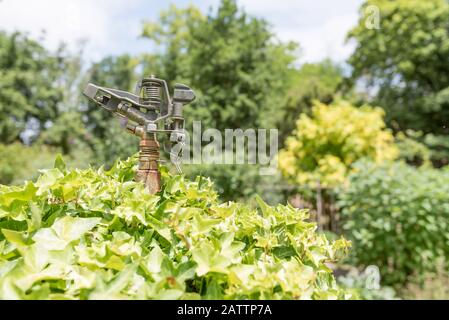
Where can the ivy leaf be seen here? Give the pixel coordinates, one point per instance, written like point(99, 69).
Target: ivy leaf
point(48, 180)
point(59, 163)
point(154, 260)
point(70, 229)
point(36, 217)
point(27, 193)
point(214, 290)
point(64, 231)
point(113, 290)
point(17, 238)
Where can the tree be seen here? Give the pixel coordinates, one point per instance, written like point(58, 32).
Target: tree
point(172, 34)
point(312, 82)
point(67, 130)
point(406, 62)
point(233, 61)
point(238, 69)
point(29, 90)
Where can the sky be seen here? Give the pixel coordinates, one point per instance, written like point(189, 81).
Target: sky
point(113, 27)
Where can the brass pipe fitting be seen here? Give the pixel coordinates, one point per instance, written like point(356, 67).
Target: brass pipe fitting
point(148, 170)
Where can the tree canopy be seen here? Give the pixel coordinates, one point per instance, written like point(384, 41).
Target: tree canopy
point(235, 63)
point(29, 91)
point(406, 62)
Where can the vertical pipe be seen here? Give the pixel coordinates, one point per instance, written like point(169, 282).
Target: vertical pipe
point(148, 171)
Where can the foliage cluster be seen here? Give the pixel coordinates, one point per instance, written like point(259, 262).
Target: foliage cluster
point(243, 82)
point(407, 59)
point(96, 234)
point(242, 182)
point(397, 218)
point(19, 163)
point(406, 62)
point(326, 143)
point(310, 83)
point(28, 96)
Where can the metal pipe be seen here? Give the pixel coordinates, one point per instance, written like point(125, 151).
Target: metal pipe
point(148, 170)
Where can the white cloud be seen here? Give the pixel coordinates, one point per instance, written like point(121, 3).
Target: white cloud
point(99, 22)
point(113, 26)
point(319, 26)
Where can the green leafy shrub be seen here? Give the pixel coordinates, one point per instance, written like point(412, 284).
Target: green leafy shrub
point(241, 182)
point(397, 217)
point(96, 234)
point(418, 148)
point(327, 143)
point(411, 149)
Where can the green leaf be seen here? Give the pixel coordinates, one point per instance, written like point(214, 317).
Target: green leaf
point(214, 290)
point(59, 163)
point(48, 180)
point(284, 252)
point(113, 290)
point(36, 217)
point(203, 256)
point(70, 229)
point(17, 238)
point(154, 260)
point(27, 193)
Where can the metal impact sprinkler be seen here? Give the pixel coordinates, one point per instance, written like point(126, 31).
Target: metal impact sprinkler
point(145, 112)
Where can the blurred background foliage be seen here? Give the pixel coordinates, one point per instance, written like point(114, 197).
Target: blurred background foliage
point(325, 144)
point(396, 216)
point(373, 131)
point(405, 67)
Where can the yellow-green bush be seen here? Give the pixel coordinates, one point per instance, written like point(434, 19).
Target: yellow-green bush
point(326, 143)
